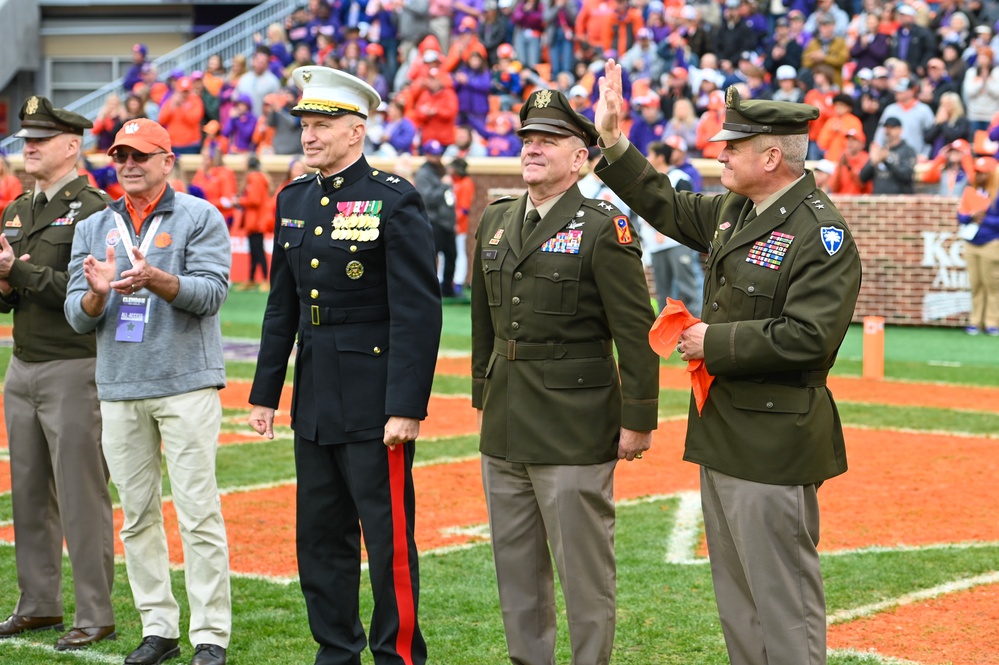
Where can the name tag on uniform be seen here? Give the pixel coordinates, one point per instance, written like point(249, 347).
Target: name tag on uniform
point(132, 318)
point(564, 242)
point(489, 254)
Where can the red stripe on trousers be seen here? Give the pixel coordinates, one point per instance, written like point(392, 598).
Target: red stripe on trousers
point(401, 576)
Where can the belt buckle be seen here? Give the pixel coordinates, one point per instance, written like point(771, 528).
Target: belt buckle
point(511, 349)
point(315, 315)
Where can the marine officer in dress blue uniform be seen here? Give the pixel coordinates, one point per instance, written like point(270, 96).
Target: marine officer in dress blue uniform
point(353, 278)
point(782, 279)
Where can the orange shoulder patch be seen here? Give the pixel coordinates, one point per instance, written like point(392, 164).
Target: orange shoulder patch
point(623, 230)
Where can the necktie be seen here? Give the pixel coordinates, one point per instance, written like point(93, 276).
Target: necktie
point(530, 223)
point(39, 205)
point(749, 218)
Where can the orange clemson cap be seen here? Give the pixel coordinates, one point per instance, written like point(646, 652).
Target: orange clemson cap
point(143, 135)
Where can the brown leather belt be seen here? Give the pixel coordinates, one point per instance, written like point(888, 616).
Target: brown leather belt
point(514, 350)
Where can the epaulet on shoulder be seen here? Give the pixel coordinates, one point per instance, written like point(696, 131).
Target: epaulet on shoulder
point(305, 177)
point(503, 199)
point(390, 179)
point(98, 192)
point(603, 207)
point(823, 210)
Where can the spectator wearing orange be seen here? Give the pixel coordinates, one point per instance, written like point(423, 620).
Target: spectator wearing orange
point(821, 97)
point(218, 183)
point(214, 75)
point(10, 184)
point(846, 179)
point(465, 44)
point(436, 109)
point(181, 115)
point(709, 125)
point(952, 169)
point(832, 137)
point(214, 141)
point(254, 204)
point(464, 195)
point(595, 24)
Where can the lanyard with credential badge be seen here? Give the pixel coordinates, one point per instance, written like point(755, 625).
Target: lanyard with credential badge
point(133, 314)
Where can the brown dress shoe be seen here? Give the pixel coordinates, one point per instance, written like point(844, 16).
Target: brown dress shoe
point(79, 638)
point(17, 624)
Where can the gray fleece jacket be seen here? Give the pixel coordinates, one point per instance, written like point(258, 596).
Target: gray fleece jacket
point(181, 347)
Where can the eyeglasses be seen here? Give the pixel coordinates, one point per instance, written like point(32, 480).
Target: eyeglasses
point(121, 156)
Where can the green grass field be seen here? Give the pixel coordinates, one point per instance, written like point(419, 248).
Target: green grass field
point(666, 611)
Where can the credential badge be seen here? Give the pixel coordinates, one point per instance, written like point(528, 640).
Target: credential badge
point(543, 99)
point(832, 239)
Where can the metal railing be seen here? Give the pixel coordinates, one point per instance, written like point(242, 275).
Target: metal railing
point(227, 40)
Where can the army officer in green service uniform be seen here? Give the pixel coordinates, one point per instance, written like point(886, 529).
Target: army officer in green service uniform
point(59, 479)
point(782, 279)
point(558, 281)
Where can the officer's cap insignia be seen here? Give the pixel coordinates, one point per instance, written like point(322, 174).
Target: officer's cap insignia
point(543, 99)
point(306, 76)
point(496, 238)
point(31, 107)
point(337, 182)
point(832, 238)
point(730, 97)
point(355, 270)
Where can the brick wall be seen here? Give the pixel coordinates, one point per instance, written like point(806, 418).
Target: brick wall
point(914, 270)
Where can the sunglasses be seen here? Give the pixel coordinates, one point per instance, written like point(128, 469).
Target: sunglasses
point(121, 156)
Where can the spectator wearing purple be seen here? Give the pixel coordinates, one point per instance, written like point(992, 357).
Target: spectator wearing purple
point(472, 82)
point(134, 73)
point(913, 43)
point(240, 125)
point(528, 26)
point(871, 48)
point(560, 20)
point(503, 142)
point(463, 8)
point(648, 122)
point(321, 22)
point(400, 132)
point(735, 35)
point(383, 32)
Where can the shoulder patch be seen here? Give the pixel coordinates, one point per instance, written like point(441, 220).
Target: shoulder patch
point(832, 238)
point(623, 230)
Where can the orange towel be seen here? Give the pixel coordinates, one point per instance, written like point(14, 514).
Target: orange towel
point(665, 335)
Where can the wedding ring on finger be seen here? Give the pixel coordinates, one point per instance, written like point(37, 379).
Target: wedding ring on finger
point(638, 455)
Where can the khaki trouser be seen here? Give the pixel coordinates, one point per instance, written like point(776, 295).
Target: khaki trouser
point(188, 425)
point(983, 273)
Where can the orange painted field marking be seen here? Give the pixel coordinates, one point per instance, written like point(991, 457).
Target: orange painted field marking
point(956, 629)
point(4, 476)
point(847, 389)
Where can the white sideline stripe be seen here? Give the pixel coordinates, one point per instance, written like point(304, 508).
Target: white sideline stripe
point(19, 643)
point(684, 537)
point(884, 549)
point(872, 656)
point(927, 432)
point(910, 598)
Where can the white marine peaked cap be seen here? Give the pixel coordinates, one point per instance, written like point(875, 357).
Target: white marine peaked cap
point(332, 92)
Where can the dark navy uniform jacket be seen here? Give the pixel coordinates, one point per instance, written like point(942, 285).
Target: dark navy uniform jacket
point(353, 276)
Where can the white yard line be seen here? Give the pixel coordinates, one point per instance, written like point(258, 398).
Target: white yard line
point(872, 657)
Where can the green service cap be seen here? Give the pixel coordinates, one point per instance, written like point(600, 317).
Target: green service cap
point(745, 119)
point(549, 111)
point(40, 120)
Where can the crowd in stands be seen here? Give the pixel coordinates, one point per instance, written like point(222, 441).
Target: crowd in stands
point(456, 72)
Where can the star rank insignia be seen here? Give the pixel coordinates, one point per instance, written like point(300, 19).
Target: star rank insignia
point(818, 204)
point(605, 205)
point(392, 179)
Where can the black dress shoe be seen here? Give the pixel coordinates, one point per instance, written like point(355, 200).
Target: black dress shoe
point(153, 651)
point(208, 654)
point(17, 624)
point(79, 638)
